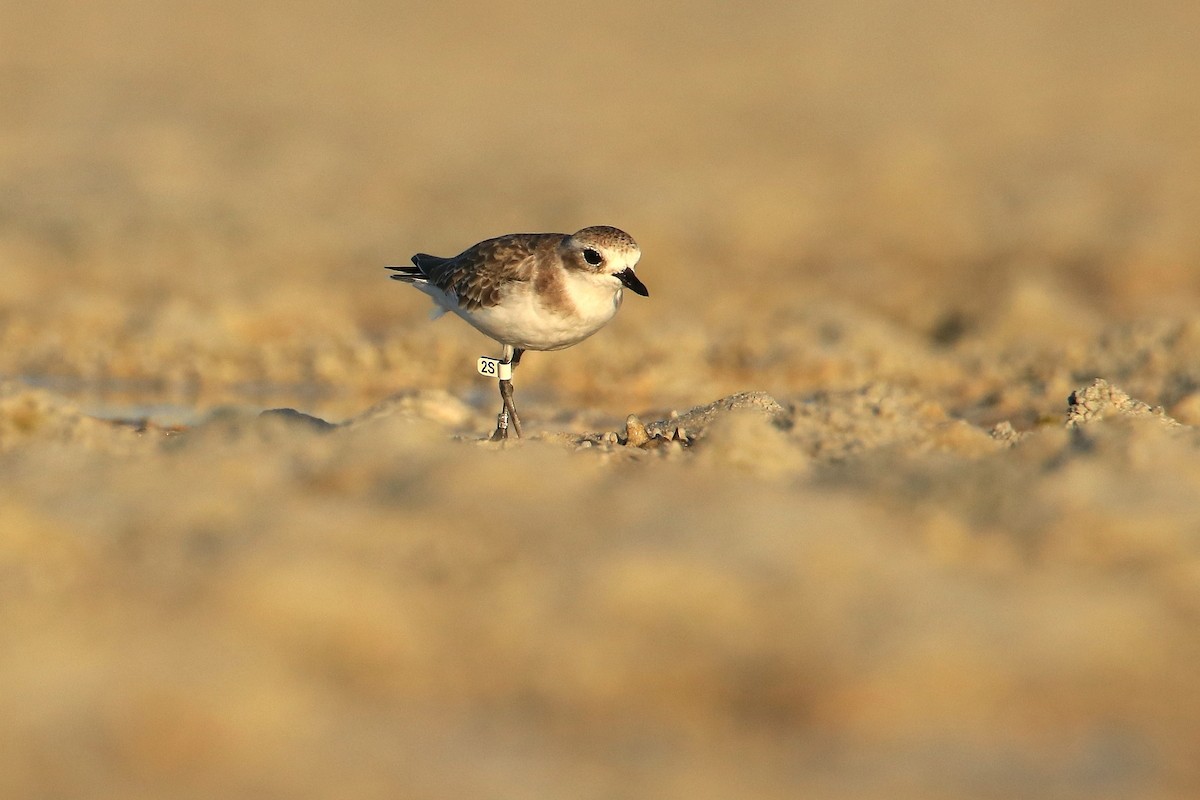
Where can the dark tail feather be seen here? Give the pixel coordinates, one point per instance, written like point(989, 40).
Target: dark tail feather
point(407, 273)
point(419, 269)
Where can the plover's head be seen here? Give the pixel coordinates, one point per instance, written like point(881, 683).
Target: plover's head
point(604, 250)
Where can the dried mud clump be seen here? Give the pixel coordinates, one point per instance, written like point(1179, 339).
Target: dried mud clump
point(685, 429)
point(1101, 399)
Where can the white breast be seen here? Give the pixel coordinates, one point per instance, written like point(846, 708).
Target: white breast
point(523, 321)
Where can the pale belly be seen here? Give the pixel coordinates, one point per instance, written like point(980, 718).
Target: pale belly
point(523, 322)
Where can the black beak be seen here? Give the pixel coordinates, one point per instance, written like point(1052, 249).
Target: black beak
point(631, 281)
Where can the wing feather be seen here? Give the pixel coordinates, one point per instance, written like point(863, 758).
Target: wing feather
point(477, 277)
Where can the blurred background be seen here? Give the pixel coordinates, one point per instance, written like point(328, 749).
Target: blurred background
point(197, 200)
point(908, 221)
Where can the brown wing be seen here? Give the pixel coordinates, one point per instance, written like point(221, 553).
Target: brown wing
point(478, 275)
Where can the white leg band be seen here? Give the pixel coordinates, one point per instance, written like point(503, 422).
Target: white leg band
point(494, 368)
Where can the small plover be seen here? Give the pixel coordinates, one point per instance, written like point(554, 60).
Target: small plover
point(531, 291)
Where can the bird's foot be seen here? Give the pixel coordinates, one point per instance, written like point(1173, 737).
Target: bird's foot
point(501, 432)
point(505, 422)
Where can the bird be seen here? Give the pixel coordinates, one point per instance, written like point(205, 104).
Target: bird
point(530, 291)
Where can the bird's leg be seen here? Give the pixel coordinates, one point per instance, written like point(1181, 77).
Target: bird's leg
point(508, 411)
point(513, 357)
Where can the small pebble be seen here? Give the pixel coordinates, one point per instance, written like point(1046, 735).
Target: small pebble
point(635, 432)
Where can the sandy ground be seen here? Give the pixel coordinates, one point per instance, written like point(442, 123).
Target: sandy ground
point(875, 531)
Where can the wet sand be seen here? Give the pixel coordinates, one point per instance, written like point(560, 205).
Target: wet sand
point(907, 506)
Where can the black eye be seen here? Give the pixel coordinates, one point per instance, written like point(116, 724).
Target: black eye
point(593, 257)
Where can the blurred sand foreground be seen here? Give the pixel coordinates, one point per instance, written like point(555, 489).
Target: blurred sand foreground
point(896, 563)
